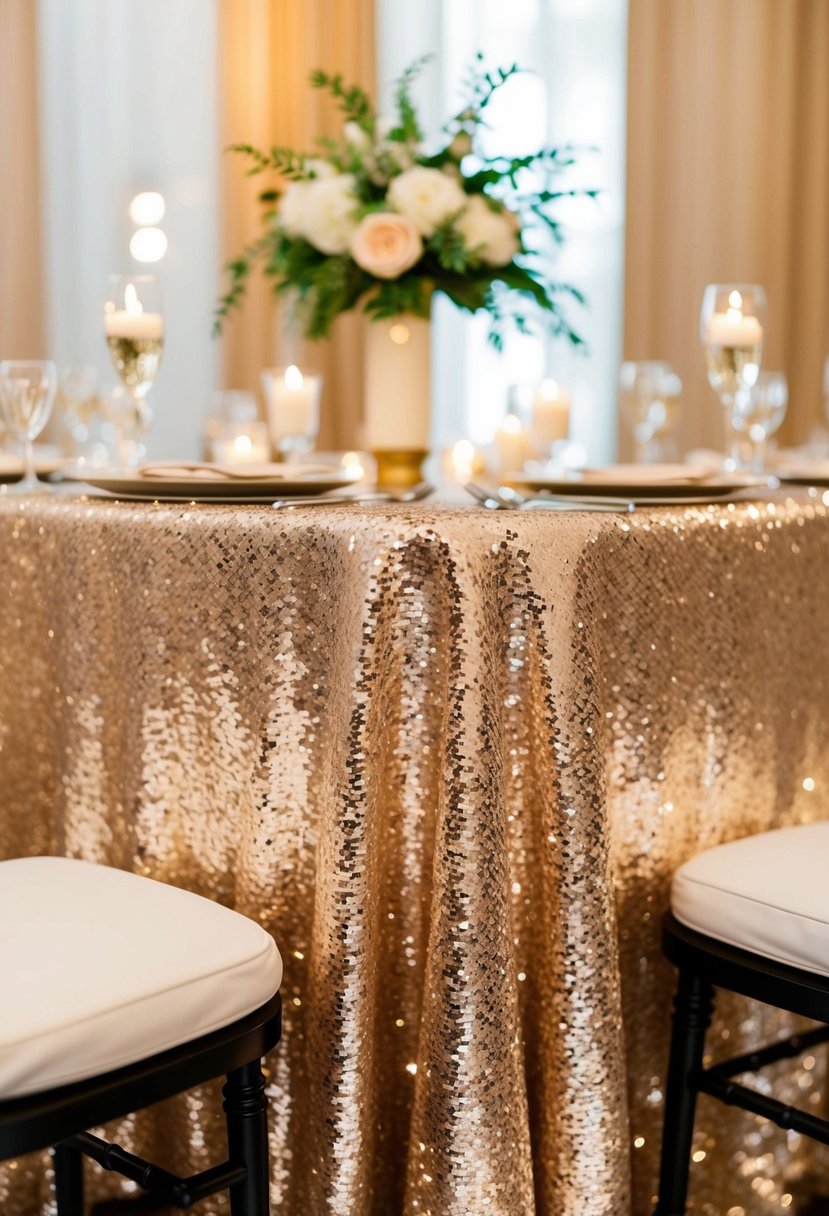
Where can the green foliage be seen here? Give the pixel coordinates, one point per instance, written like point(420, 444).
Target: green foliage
point(408, 125)
point(519, 295)
point(354, 102)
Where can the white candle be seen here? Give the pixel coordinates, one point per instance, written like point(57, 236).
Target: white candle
point(248, 446)
point(550, 413)
point(731, 328)
point(462, 462)
point(124, 323)
point(293, 403)
point(512, 445)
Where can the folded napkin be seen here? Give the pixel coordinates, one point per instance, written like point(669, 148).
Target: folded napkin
point(644, 474)
point(794, 465)
point(183, 470)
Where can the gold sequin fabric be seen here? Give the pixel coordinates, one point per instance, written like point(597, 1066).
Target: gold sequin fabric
point(450, 758)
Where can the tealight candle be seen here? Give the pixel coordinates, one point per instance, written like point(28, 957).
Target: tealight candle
point(461, 462)
point(247, 445)
point(512, 444)
point(124, 323)
point(550, 413)
point(732, 328)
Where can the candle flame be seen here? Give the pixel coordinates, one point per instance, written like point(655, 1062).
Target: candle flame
point(550, 390)
point(512, 424)
point(131, 300)
point(243, 445)
point(735, 300)
point(293, 378)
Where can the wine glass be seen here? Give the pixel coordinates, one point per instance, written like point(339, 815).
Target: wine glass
point(78, 403)
point(134, 330)
point(757, 415)
point(27, 391)
point(650, 392)
point(731, 329)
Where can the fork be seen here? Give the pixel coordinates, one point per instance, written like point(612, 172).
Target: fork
point(507, 499)
point(416, 494)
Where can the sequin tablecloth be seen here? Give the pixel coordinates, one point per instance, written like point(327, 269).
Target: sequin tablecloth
point(450, 758)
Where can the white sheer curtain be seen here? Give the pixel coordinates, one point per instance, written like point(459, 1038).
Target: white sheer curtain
point(576, 50)
point(128, 102)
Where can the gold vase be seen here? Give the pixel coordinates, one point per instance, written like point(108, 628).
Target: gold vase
point(398, 411)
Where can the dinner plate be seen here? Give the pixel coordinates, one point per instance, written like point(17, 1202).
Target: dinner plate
point(816, 474)
point(206, 489)
point(11, 467)
point(669, 492)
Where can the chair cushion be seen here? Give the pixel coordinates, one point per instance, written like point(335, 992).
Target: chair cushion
point(767, 894)
point(101, 968)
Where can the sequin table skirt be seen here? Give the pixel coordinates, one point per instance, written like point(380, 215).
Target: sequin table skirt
point(450, 758)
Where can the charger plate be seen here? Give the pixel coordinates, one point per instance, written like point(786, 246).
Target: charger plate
point(204, 489)
point(661, 492)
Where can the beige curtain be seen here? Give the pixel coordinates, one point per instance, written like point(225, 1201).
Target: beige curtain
point(22, 303)
point(268, 49)
point(728, 179)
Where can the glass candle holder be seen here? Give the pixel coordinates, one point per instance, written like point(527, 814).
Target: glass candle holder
point(292, 400)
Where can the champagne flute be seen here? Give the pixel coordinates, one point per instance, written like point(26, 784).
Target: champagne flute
point(650, 393)
point(27, 391)
point(731, 329)
point(134, 330)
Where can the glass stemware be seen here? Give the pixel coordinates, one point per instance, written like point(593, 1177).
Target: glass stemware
point(79, 404)
point(27, 391)
point(650, 392)
point(757, 415)
point(731, 323)
point(134, 330)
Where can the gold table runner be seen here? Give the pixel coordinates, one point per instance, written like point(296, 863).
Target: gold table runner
point(450, 758)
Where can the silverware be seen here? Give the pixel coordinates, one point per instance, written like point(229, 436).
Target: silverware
point(507, 499)
point(416, 494)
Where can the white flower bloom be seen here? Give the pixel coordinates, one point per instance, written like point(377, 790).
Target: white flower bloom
point(354, 135)
point(292, 208)
point(321, 211)
point(491, 235)
point(386, 244)
point(318, 167)
point(427, 197)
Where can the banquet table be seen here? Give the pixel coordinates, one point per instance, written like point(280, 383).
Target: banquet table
point(450, 758)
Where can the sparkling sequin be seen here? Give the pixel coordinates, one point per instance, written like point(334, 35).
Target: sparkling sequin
point(450, 758)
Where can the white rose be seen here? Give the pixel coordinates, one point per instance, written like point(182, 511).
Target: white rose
point(318, 167)
point(328, 212)
point(427, 197)
point(386, 244)
point(490, 235)
point(292, 208)
point(354, 135)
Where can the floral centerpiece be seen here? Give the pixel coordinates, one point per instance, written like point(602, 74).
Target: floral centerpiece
point(375, 219)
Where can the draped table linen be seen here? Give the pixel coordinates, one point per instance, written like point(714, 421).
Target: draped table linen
point(450, 758)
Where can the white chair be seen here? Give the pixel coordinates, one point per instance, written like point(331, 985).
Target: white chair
point(752, 917)
point(119, 991)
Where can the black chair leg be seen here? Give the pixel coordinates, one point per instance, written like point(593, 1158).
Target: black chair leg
point(246, 1108)
point(68, 1163)
point(692, 1016)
